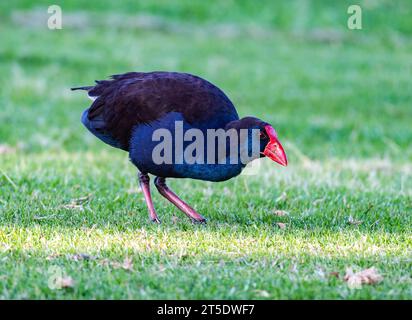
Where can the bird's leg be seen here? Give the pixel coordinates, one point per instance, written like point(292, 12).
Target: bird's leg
point(164, 190)
point(144, 182)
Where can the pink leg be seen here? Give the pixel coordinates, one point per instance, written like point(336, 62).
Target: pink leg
point(164, 190)
point(144, 182)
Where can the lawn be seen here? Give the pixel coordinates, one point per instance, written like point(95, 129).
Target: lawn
point(70, 207)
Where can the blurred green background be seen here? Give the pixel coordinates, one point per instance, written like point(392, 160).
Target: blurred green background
point(340, 99)
point(332, 91)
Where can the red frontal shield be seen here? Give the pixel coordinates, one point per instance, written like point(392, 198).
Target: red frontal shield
point(274, 149)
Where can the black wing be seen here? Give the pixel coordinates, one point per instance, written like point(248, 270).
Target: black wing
point(136, 97)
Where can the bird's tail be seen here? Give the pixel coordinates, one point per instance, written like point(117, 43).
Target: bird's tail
point(87, 88)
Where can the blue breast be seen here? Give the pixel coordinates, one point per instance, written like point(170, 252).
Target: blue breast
point(96, 127)
point(142, 147)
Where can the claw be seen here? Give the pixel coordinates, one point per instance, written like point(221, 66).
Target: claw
point(201, 221)
point(156, 220)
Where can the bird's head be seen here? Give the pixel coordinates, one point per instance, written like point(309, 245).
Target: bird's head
point(269, 143)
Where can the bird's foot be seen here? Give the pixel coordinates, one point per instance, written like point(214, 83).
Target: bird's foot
point(200, 221)
point(193, 215)
point(164, 190)
point(155, 220)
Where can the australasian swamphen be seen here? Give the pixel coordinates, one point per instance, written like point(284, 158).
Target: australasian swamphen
point(129, 108)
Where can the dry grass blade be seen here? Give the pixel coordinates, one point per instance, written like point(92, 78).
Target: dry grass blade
point(77, 204)
point(83, 200)
point(281, 198)
point(353, 221)
point(262, 293)
point(9, 179)
point(175, 219)
point(280, 213)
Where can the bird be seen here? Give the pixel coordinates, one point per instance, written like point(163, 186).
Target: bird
point(130, 109)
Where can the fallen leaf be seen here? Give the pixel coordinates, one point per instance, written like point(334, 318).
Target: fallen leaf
point(66, 282)
point(280, 213)
point(281, 225)
point(5, 149)
point(334, 274)
point(127, 264)
point(357, 279)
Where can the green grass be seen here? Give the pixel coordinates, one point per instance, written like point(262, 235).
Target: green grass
point(339, 99)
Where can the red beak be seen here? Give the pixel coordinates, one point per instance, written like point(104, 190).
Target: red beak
point(274, 149)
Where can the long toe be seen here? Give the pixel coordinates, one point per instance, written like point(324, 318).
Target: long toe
point(199, 221)
point(156, 220)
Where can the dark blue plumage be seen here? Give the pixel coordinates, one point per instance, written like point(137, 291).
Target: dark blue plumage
point(142, 145)
point(129, 108)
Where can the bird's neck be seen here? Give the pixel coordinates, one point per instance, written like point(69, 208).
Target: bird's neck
point(241, 147)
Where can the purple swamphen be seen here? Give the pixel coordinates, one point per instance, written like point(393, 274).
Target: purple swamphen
point(128, 109)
